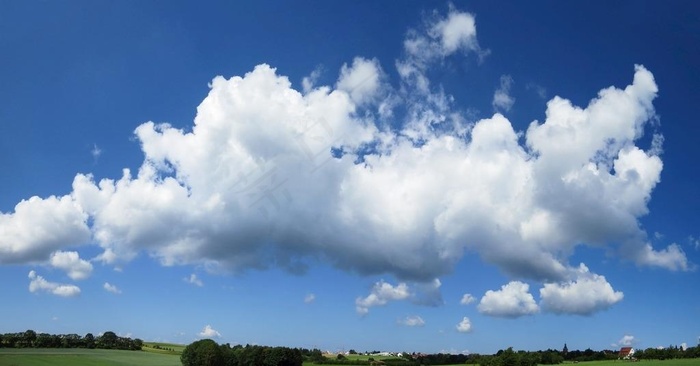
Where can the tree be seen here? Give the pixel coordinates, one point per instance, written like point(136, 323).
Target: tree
point(509, 358)
point(230, 355)
point(43, 340)
point(204, 352)
point(107, 340)
point(89, 340)
point(28, 338)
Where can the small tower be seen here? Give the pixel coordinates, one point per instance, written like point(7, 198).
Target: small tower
point(565, 350)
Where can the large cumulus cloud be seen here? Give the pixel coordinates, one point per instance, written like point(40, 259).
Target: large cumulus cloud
point(272, 176)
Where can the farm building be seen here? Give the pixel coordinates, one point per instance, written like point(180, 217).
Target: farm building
point(626, 353)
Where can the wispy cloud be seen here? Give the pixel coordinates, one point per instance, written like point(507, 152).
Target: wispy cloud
point(467, 299)
point(502, 100)
point(39, 284)
point(538, 89)
point(412, 321)
point(96, 152)
point(111, 288)
point(194, 280)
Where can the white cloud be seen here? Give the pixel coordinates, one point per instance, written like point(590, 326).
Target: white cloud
point(262, 161)
point(38, 284)
point(511, 301)
point(502, 100)
point(465, 326)
point(38, 227)
point(467, 299)
point(362, 80)
point(412, 321)
point(209, 332)
point(76, 268)
point(539, 90)
point(309, 298)
point(672, 257)
point(382, 292)
point(695, 242)
point(96, 152)
point(194, 280)
point(657, 144)
point(111, 288)
point(625, 341)
point(309, 82)
point(445, 36)
point(585, 295)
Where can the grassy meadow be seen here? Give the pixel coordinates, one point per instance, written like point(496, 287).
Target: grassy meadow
point(165, 354)
point(673, 362)
point(83, 357)
point(163, 348)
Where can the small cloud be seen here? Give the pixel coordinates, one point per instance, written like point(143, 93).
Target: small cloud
point(111, 288)
point(55, 318)
point(107, 257)
point(382, 292)
point(453, 351)
point(209, 332)
point(465, 326)
point(95, 152)
point(502, 101)
point(625, 341)
point(467, 299)
point(511, 301)
point(657, 145)
point(193, 280)
point(538, 89)
point(38, 283)
point(412, 321)
point(76, 268)
point(362, 80)
point(309, 298)
point(588, 294)
point(694, 242)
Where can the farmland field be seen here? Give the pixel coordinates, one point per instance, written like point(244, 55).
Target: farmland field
point(152, 356)
point(163, 348)
point(674, 362)
point(83, 357)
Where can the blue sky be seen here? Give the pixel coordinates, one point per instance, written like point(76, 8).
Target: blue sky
point(428, 176)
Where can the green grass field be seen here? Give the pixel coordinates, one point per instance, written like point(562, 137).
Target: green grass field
point(163, 348)
point(83, 357)
point(675, 362)
point(152, 356)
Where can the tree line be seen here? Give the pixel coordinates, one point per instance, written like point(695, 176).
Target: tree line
point(30, 339)
point(206, 352)
point(668, 353)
